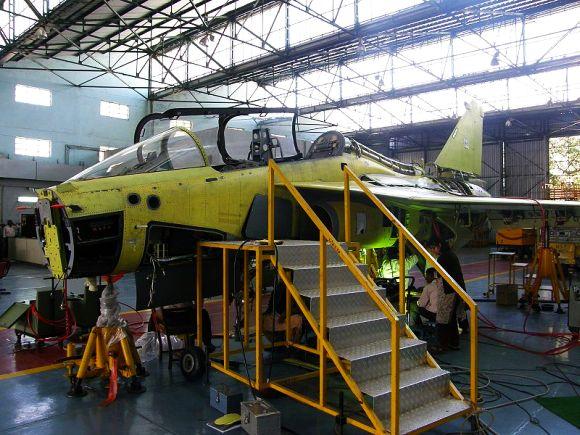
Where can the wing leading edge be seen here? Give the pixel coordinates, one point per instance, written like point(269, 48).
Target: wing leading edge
point(416, 196)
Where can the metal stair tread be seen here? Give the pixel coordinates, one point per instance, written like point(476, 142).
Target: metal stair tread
point(350, 319)
point(317, 266)
point(382, 385)
point(429, 413)
point(335, 291)
point(295, 242)
point(357, 352)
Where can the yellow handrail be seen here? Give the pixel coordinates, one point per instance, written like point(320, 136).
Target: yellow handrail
point(405, 234)
point(393, 318)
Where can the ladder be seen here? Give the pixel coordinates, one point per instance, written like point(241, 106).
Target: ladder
point(399, 385)
point(359, 334)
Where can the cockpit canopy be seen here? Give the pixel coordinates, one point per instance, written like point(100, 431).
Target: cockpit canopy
point(248, 141)
point(173, 149)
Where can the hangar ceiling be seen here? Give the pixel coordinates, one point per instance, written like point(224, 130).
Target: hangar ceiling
point(360, 64)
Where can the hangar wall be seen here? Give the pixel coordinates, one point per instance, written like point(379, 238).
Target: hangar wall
point(511, 168)
point(72, 119)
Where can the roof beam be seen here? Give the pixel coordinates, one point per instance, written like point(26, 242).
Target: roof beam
point(456, 82)
point(389, 33)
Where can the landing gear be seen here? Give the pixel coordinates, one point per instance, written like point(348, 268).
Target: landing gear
point(193, 363)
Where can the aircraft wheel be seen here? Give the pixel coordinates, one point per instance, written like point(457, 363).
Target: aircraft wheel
point(192, 363)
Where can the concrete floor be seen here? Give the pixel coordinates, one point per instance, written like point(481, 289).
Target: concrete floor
point(37, 403)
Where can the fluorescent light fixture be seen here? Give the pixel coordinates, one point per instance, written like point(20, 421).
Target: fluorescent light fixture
point(28, 199)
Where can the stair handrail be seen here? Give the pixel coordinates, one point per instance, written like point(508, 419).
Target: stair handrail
point(405, 234)
point(385, 307)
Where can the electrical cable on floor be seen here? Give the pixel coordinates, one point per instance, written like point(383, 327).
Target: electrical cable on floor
point(491, 389)
point(565, 340)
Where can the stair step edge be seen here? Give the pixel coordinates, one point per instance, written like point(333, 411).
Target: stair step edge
point(378, 348)
point(407, 378)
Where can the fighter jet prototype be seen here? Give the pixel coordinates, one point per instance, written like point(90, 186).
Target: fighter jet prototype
point(158, 197)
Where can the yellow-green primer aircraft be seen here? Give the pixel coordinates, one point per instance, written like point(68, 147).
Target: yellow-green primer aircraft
point(158, 197)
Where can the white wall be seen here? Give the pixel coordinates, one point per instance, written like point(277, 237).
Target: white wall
point(72, 119)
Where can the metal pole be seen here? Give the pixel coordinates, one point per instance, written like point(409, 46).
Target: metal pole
point(246, 301)
point(259, 344)
point(322, 321)
point(395, 343)
point(402, 272)
point(474, 363)
point(198, 295)
point(225, 310)
point(271, 177)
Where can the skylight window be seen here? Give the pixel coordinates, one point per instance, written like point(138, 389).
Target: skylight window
point(31, 95)
point(27, 146)
point(114, 110)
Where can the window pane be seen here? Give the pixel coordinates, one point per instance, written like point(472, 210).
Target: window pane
point(104, 152)
point(26, 146)
point(114, 110)
point(180, 123)
point(31, 95)
point(163, 152)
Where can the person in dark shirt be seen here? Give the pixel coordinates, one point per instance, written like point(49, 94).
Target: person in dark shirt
point(449, 301)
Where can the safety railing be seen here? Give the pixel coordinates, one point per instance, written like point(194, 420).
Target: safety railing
point(320, 328)
point(405, 235)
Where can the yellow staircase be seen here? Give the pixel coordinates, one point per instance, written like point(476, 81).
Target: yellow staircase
point(399, 386)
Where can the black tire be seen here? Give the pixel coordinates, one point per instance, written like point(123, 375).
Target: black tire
point(192, 363)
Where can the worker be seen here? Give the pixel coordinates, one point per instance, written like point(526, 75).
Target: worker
point(427, 303)
point(448, 302)
point(9, 232)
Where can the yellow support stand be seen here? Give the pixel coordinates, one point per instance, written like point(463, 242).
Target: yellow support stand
point(101, 359)
point(546, 265)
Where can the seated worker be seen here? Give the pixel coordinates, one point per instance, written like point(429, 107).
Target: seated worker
point(427, 303)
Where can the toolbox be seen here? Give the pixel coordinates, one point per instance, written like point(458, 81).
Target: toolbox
point(225, 399)
point(260, 418)
point(506, 294)
point(516, 237)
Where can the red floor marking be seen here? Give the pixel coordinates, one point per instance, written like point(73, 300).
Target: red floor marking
point(25, 359)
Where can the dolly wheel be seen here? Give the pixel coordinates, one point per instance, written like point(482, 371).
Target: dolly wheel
point(192, 363)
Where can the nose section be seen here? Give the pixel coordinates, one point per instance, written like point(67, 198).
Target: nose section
point(54, 233)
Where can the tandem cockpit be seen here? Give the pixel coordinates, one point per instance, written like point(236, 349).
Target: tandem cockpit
point(228, 139)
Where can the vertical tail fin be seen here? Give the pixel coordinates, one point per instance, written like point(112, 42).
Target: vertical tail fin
point(463, 149)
